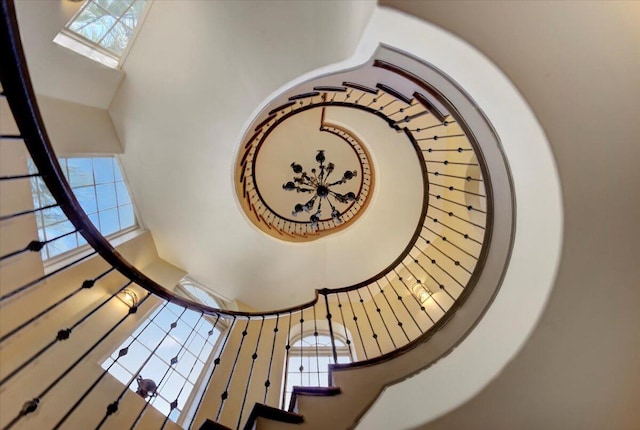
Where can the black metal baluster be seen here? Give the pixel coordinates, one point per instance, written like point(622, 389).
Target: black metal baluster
point(344, 325)
point(124, 351)
point(464, 235)
point(254, 356)
point(315, 338)
point(286, 362)
point(301, 368)
point(379, 311)
point(13, 177)
point(35, 402)
point(44, 277)
point(435, 262)
point(113, 407)
point(428, 274)
point(62, 335)
point(333, 340)
point(355, 319)
point(35, 246)
point(174, 361)
point(400, 324)
point(225, 394)
point(174, 404)
point(364, 308)
point(399, 297)
point(27, 212)
point(456, 262)
point(445, 239)
point(216, 362)
point(422, 306)
point(85, 285)
point(267, 383)
point(454, 215)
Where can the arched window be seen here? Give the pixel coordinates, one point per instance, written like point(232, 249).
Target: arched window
point(308, 361)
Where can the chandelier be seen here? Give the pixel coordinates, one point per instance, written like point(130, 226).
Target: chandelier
point(318, 186)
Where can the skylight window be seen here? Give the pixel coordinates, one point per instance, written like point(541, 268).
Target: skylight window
point(99, 186)
point(103, 29)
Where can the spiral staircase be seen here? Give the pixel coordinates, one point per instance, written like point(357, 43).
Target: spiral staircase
point(55, 322)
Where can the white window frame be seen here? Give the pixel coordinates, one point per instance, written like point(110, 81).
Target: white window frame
point(115, 239)
point(79, 44)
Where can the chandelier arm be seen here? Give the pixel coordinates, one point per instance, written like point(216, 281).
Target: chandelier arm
point(341, 181)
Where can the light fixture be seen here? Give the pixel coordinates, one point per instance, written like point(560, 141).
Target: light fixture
point(317, 184)
point(128, 297)
point(421, 292)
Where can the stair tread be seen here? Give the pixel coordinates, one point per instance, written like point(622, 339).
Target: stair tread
point(263, 411)
point(311, 391)
point(212, 425)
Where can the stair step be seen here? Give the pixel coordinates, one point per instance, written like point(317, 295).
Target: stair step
point(212, 425)
point(310, 391)
point(271, 413)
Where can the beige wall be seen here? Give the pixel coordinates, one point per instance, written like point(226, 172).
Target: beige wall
point(76, 129)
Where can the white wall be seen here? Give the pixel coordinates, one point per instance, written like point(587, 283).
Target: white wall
point(78, 129)
point(56, 71)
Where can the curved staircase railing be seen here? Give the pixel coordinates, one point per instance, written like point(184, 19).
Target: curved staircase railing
point(380, 318)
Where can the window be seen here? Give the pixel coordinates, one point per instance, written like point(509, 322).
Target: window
point(308, 362)
point(172, 348)
point(103, 29)
point(99, 186)
point(193, 290)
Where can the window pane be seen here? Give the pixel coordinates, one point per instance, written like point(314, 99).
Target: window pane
point(120, 373)
point(171, 387)
point(194, 373)
point(106, 196)
point(154, 369)
point(168, 349)
point(86, 18)
point(114, 7)
point(54, 230)
point(151, 336)
point(95, 220)
point(103, 170)
point(122, 193)
point(80, 171)
point(191, 318)
point(61, 245)
point(117, 39)
point(87, 198)
point(53, 216)
point(109, 221)
point(196, 343)
point(186, 362)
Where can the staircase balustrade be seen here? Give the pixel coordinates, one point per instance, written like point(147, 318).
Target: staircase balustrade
point(379, 318)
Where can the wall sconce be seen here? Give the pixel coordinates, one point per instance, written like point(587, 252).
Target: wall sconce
point(421, 292)
point(129, 297)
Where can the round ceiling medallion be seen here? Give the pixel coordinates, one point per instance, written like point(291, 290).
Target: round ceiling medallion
point(300, 176)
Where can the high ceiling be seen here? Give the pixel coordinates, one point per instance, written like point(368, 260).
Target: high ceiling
point(180, 117)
